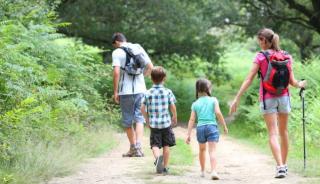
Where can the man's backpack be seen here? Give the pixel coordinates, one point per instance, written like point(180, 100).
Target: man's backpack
point(135, 63)
point(276, 80)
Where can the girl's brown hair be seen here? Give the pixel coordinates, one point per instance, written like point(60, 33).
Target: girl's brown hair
point(203, 86)
point(271, 37)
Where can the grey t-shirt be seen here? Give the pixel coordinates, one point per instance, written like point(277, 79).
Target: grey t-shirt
point(126, 83)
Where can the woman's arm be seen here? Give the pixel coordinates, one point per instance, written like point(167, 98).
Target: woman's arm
point(297, 84)
point(220, 116)
point(246, 83)
point(190, 126)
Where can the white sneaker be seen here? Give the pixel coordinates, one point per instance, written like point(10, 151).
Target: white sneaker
point(280, 172)
point(202, 174)
point(214, 175)
point(286, 169)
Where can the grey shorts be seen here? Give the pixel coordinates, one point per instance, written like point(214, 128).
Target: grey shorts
point(276, 105)
point(130, 108)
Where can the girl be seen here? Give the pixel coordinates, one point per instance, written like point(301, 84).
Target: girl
point(274, 107)
point(206, 109)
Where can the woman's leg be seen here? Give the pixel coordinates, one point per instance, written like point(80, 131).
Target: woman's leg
point(212, 155)
point(271, 122)
point(283, 132)
point(202, 155)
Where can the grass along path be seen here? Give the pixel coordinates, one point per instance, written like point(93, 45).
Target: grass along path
point(237, 163)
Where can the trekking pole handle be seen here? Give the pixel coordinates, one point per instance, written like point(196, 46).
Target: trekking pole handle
point(301, 94)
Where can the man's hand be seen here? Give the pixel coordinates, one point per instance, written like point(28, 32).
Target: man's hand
point(116, 98)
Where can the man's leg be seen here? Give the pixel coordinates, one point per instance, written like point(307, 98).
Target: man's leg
point(126, 105)
point(139, 123)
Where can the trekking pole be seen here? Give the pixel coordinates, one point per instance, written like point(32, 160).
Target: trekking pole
point(301, 94)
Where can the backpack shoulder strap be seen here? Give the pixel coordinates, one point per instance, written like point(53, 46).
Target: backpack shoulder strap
point(266, 55)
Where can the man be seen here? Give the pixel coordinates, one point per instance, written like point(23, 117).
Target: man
point(129, 90)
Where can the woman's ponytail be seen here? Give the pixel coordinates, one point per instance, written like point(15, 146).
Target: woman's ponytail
point(275, 45)
point(271, 37)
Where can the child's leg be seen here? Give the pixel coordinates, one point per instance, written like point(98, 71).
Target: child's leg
point(202, 155)
point(212, 155)
point(155, 151)
point(166, 154)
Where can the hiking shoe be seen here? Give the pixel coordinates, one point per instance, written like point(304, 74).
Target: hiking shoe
point(130, 153)
point(158, 164)
point(138, 153)
point(280, 172)
point(214, 175)
point(165, 171)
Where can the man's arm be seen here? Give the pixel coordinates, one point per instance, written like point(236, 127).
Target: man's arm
point(116, 77)
point(147, 70)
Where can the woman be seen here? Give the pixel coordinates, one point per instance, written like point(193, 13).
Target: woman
point(274, 106)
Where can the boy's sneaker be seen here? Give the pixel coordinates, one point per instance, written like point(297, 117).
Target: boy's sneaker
point(158, 164)
point(214, 175)
point(280, 172)
point(165, 171)
point(130, 153)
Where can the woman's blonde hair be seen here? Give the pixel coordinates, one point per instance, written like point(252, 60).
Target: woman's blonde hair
point(271, 37)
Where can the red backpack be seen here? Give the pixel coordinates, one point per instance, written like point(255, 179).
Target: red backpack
point(276, 80)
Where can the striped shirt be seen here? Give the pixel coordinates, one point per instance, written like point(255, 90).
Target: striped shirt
point(157, 101)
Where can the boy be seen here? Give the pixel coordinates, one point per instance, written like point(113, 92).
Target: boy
point(155, 108)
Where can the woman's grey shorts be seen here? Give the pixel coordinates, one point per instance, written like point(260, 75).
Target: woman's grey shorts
point(276, 105)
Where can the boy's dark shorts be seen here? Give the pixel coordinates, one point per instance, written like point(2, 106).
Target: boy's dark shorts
point(162, 137)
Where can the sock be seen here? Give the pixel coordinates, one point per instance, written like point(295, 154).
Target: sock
point(138, 145)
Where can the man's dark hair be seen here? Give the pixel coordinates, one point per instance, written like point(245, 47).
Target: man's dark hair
point(158, 74)
point(118, 37)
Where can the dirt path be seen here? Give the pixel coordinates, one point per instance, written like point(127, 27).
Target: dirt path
point(237, 163)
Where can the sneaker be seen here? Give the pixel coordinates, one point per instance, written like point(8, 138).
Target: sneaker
point(130, 153)
point(165, 171)
point(158, 164)
point(286, 169)
point(202, 174)
point(214, 175)
point(138, 153)
point(280, 172)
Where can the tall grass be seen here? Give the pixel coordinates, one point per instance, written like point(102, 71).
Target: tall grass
point(39, 160)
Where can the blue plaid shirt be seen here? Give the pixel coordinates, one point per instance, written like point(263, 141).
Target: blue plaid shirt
point(157, 101)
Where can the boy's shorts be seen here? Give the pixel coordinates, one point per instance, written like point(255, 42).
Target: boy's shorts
point(162, 137)
point(207, 133)
point(130, 108)
point(276, 105)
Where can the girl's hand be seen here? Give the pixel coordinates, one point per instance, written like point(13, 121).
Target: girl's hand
point(188, 139)
point(226, 131)
point(233, 106)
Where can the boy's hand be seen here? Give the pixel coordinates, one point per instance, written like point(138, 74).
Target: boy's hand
point(174, 121)
point(226, 131)
point(188, 139)
point(148, 124)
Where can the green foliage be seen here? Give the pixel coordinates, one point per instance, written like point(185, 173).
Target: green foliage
point(53, 89)
point(162, 27)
